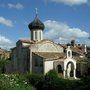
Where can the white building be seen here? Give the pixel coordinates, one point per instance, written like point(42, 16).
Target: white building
point(39, 55)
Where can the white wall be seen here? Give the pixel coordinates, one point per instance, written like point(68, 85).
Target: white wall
point(37, 35)
point(48, 65)
point(25, 44)
point(69, 60)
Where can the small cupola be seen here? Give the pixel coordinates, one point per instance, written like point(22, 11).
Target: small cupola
point(36, 27)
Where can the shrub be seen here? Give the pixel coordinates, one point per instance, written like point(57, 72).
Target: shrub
point(21, 87)
point(86, 82)
point(3, 62)
point(52, 81)
point(13, 82)
point(34, 79)
point(52, 74)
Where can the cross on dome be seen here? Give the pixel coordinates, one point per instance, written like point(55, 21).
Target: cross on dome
point(36, 11)
point(36, 24)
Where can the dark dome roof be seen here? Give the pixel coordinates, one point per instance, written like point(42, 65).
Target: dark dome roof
point(36, 24)
point(68, 44)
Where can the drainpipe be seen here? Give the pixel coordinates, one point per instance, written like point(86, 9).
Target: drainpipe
point(30, 61)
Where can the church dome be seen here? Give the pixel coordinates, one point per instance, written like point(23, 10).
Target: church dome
point(36, 24)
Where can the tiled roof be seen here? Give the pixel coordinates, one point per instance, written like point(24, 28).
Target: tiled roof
point(50, 55)
point(78, 59)
point(75, 49)
point(26, 41)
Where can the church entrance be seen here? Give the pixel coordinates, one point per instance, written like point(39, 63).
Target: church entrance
point(59, 70)
point(70, 70)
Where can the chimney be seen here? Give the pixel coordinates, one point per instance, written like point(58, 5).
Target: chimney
point(73, 43)
point(85, 49)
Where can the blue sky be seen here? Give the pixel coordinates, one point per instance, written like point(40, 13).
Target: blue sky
point(64, 20)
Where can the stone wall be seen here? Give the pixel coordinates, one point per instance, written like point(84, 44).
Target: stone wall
point(37, 64)
point(20, 58)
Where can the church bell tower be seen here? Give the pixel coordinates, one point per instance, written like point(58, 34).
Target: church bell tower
point(36, 27)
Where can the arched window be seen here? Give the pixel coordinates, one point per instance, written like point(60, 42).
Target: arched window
point(70, 68)
point(59, 69)
point(69, 54)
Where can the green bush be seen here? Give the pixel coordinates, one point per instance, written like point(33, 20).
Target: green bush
point(35, 78)
point(14, 82)
point(52, 74)
point(50, 81)
point(21, 87)
point(86, 83)
point(3, 62)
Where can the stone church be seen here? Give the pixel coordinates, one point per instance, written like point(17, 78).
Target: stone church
point(40, 55)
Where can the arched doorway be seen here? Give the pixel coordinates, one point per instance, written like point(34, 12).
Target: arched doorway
point(70, 70)
point(59, 70)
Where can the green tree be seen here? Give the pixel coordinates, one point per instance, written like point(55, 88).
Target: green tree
point(3, 62)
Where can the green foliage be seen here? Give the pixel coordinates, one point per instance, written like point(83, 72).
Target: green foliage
point(14, 82)
point(86, 82)
point(34, 78)
point(3, 62)
point(52, 74)
point(88, 59)
point(50, 81)
point(21, 87)
point(53, 82)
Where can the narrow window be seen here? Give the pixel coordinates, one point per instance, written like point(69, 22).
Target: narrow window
point(35, 35)
point(69, 54)
point(40, 35)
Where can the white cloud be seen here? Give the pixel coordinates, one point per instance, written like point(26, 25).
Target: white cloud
point(5, 42)
point(71, 2)
point(16, 6)
point(61, 32)
point(6, 22)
